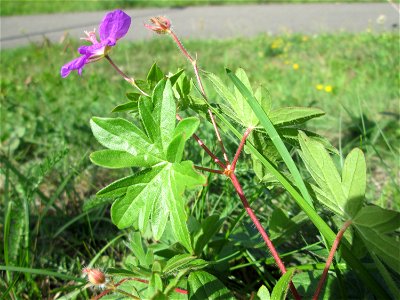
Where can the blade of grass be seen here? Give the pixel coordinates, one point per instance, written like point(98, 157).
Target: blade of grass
point(66, 225)
point(7, 222)
point(325, 230)
point(97, 256)
point(273, 134)
point(25, 180)
point(43, 272)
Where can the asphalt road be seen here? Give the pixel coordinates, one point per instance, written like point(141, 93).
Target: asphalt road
point(210, 21)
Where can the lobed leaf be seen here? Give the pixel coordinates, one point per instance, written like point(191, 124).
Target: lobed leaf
point(354, 179)
point(115, 159)
point(203, 285)
point(289, 116)
point(119, 134)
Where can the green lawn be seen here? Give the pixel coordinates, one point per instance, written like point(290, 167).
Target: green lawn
point(21, 7)
point(46, 138)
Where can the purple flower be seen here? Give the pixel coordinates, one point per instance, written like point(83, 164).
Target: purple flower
point(114, 26)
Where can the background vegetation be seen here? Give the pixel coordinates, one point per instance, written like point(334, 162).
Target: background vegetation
point(19, 7)
point(46, 140)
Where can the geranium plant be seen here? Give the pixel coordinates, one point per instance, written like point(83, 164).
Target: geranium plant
point(154, 203)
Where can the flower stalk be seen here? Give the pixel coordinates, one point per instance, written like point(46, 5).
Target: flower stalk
point(335, 245)
point(131, 80)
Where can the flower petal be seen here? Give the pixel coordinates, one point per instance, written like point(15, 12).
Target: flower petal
point(114, 26)
point(76, 64)
point(95, 49)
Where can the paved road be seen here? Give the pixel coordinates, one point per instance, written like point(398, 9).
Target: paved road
point(210, 21)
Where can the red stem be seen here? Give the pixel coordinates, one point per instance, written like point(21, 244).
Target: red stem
point(261, 230)
point(240, 148)
point(202, 145)
point(336, 243)
point(221, 143)
point(209, 170)
point(196, 71)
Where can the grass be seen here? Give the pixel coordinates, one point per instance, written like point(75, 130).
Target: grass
point(24, 7)
point(46, 138)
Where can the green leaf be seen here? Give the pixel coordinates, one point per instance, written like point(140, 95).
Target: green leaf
point(289, 116)
point(354, 179)
point(128, 106)
point(164, 112)
point(133, 96)
point(386, 247)
point(146, 114)
point(119, 134)
point(183, 262)
point(182, 133)
point(203, 285)
point(155, 75)
point(279, 223)
point(120, 159)
point(321, 167)
point(137, 248)
point(156, 195)
point(377, 218)
point(119, 187)
point(263, 293)
point(174, 77)
point(241, 111)
point(209, 227)
point(281, 288)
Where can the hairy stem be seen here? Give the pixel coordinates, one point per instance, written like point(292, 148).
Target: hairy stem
point(336, 243)
point(205, 148)
point(131, 80)
point(240, 148)
point(221, 143)
point(261, 230)
point(203, 92)
point(208, 170)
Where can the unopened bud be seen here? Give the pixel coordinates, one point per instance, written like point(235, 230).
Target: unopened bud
point(160, 25)
point(95, 276)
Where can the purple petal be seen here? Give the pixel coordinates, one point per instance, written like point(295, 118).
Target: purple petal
point(76, 64)
point(114, 26)
point(95, 49)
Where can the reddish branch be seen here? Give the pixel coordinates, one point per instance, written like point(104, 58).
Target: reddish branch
point(240, 148)
point(264, 235)
point(221, 143)
point(330, 258)
point(202, 145)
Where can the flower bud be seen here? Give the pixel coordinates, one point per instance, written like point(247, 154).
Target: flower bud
point(161, 25)
point(95, 276)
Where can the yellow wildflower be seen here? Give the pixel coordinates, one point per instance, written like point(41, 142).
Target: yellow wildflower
point(296, 66)
point(328, 88)
point(319, 87)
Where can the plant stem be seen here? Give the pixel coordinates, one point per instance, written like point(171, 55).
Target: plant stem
point(261, 230)
point(131, 80)
point(240, 148)
point(202, 145)
point(330, 258)
point(198, 78)
point(221, 143)
point(209, 170)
